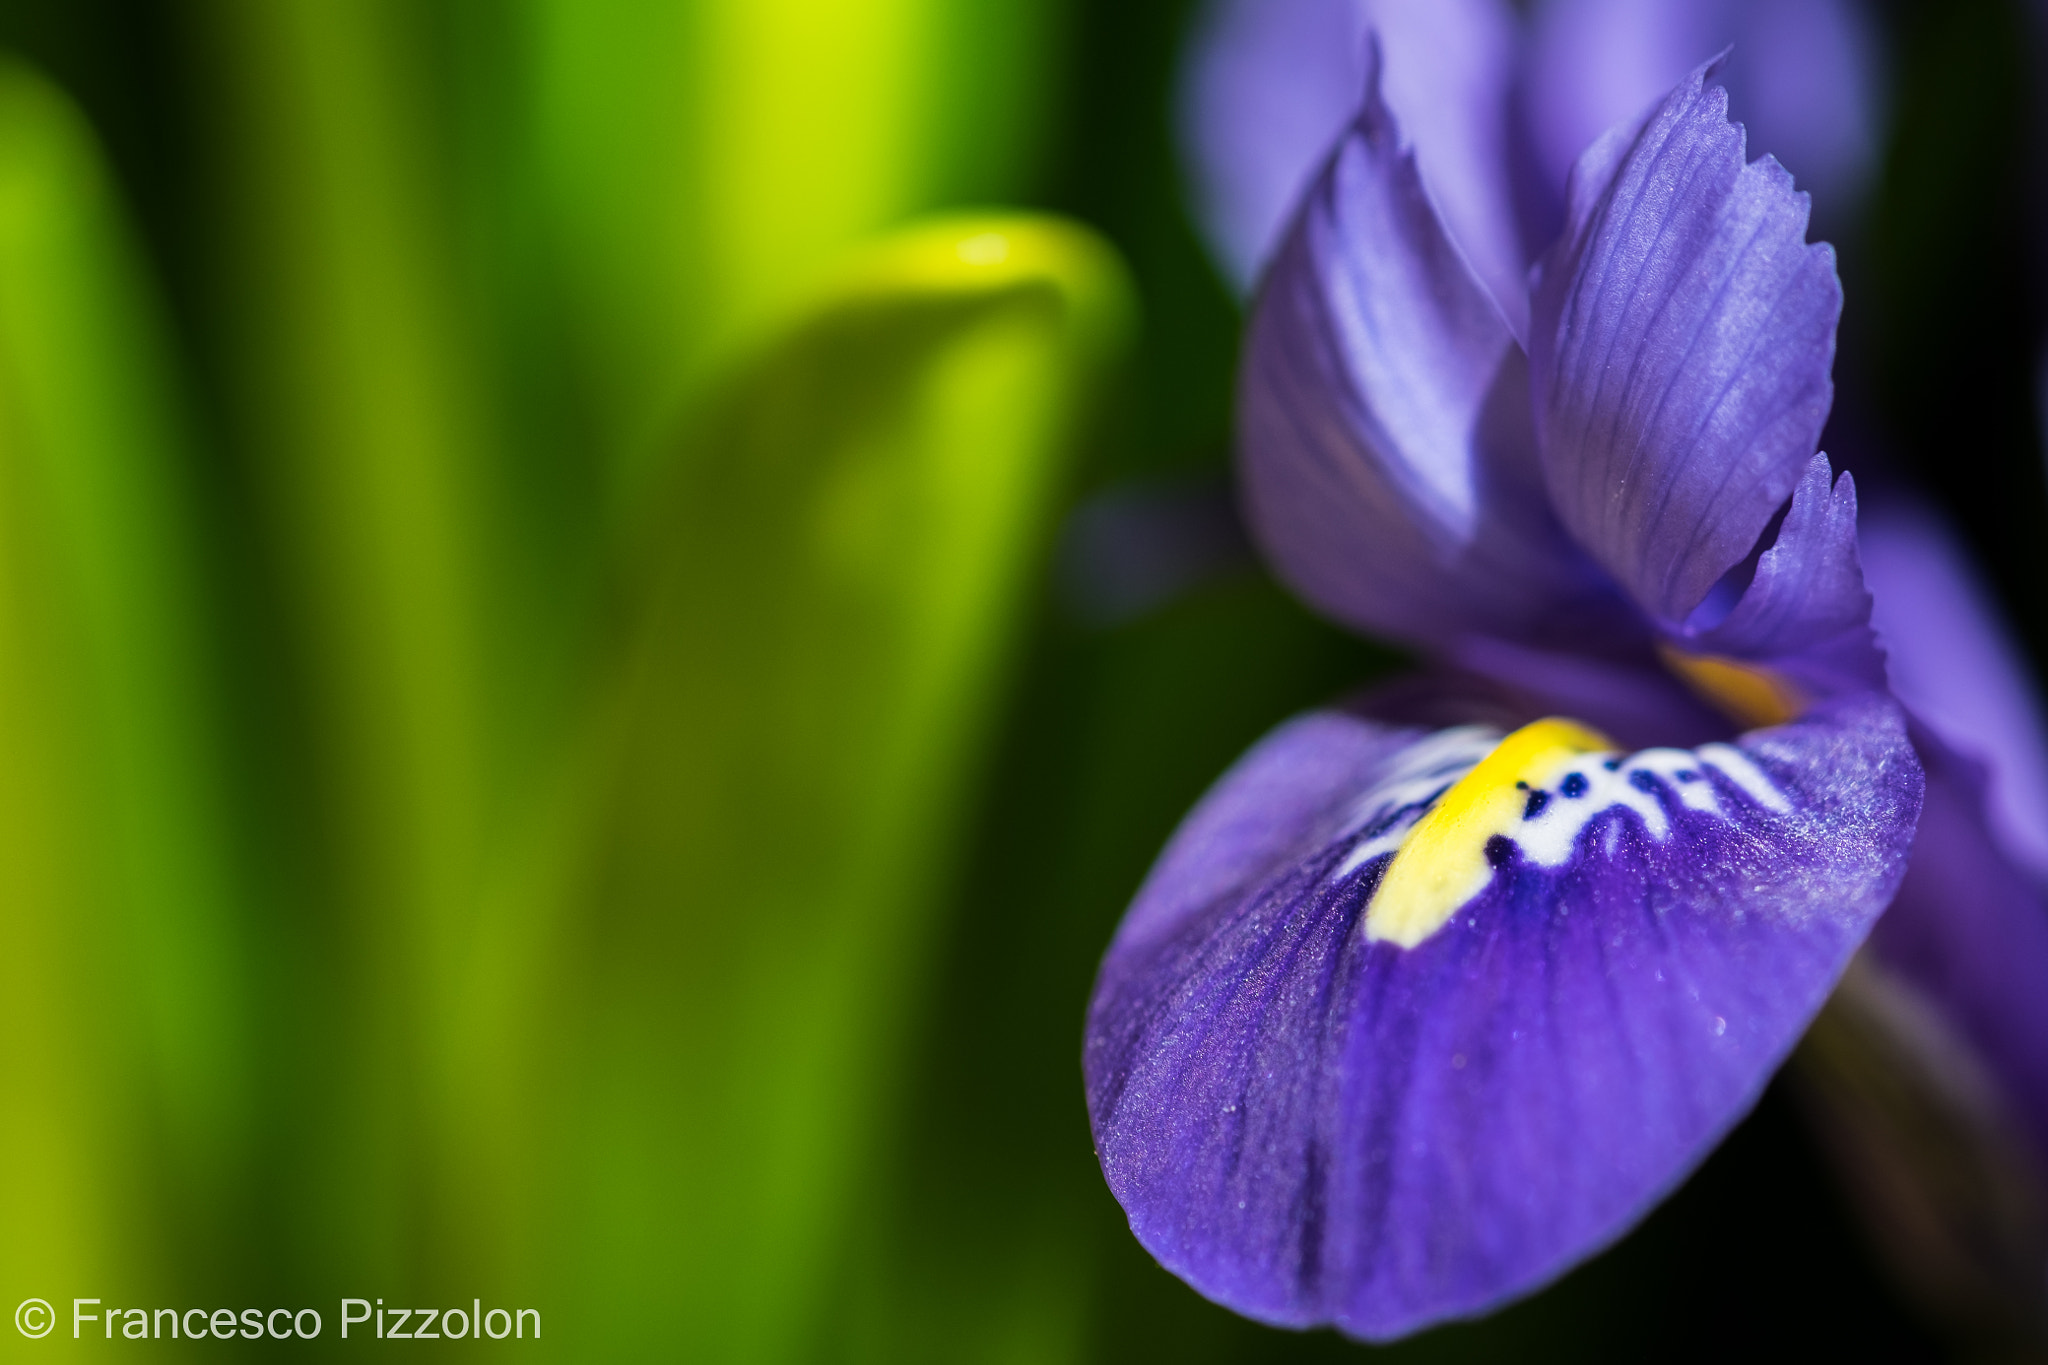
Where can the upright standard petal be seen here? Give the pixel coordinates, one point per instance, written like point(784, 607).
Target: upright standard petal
point(1806, 614)
point(1681, 342)
point(1404, 1024)
point(1270, 85)
point(1385, 456)
point(1803, 77)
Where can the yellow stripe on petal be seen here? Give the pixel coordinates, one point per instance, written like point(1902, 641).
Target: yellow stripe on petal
point(1442, 863)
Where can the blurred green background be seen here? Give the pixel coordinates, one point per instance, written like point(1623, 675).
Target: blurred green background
point(551, 751)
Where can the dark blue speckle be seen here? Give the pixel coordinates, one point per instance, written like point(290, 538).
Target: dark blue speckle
point(1643, 781)
point(1574, 785)
point(1611, 764)
point(1538, 799)
point(1687, 775)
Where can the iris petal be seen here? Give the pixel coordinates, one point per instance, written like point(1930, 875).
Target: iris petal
point(1807, 613)
point(1313, 1126)
point(1954, 665)
point(1681, 339)
point(1384, 444)
point(1803, 76)
point(1271, 85)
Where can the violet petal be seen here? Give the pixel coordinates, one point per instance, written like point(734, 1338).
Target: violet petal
point(1803, 76)
point(1956, 668)
point(1385, 455)
point(1681, 340)
point(1272, 84)
point(1806, 613)
point(1311, 1126)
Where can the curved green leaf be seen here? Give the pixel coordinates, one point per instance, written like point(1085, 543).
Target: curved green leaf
point(703, 161)
point(122, 983)
point(832, 593)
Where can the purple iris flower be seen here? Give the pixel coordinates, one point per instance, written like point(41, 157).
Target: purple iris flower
point(1437, 993)
point(1499, 108)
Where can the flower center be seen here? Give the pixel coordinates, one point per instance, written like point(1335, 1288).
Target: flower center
point(1747, 694)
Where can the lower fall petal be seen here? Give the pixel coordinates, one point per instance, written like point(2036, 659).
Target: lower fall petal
point(1314, 1124)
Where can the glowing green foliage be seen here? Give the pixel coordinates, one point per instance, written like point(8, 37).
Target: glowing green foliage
point(123, 1049)
point(835, 590)
point(705, 160)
